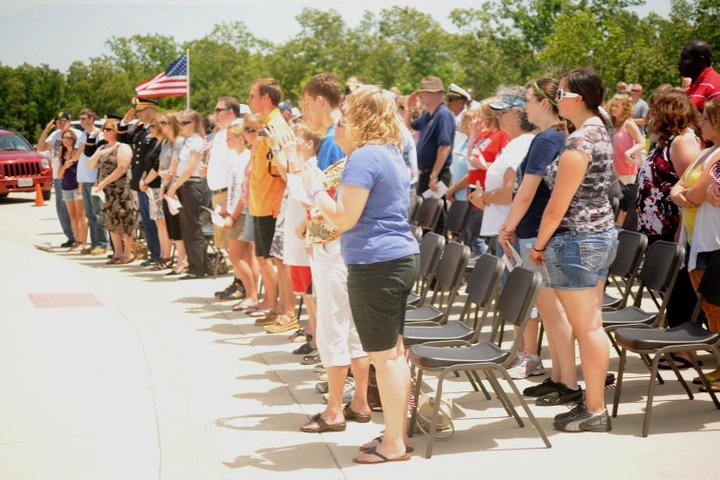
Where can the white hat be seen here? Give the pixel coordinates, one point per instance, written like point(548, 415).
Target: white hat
point(458, 92)
point(244, 109)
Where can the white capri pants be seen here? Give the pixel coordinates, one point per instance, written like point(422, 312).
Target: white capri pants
point(336, 336)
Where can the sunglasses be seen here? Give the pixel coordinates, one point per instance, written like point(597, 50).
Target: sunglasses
point(249, 130)
point(218, 110)
point(68, 138)
point(185, 122)
point(108, 129)
point(565, 94)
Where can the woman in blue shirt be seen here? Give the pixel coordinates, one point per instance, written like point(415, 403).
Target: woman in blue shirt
point(370, 209)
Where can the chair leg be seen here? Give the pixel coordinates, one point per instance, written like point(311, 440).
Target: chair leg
point(525, 407)
point(541, 334)
point(430, 434)
point(481, 385)
point(651, 392)
point(715, 352)
point(472, 381)
point(618, 383)
point(413, 411)
point(679, 376)
point(504, 400)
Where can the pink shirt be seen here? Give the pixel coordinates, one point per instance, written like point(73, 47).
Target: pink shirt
point(622, 142)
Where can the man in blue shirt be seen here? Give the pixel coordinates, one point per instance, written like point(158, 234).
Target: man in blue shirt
point(320, 105)
point(437, 133)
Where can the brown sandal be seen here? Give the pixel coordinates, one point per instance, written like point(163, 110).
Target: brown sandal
point(322, 425)
point(352, 415)
point(379, 439)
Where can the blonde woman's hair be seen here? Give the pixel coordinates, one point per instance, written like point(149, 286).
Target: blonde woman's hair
point(237, 127)
point(627, 108)
point(112, 123)
point(372, 115)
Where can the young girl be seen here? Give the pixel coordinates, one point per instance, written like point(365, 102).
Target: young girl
point(294, 254)
point(70, 193)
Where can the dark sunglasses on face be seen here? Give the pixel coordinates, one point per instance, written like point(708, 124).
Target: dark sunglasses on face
point(68, 138)
point(108, 129)
point(185, 122)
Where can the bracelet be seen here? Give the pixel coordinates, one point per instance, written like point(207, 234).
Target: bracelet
point(538, 251)
point(315, 193)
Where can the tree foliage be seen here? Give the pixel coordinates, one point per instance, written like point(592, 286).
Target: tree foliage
point(500, 42)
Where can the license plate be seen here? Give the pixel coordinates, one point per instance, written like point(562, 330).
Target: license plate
point(25, 182)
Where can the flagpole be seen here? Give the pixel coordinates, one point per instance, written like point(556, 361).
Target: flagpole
point(187, 53)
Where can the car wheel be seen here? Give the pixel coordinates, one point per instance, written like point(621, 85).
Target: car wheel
point(46, 194)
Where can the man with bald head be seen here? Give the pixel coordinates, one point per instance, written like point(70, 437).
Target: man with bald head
point(696, 63)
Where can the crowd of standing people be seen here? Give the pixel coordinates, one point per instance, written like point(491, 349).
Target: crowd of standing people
point(314, 203)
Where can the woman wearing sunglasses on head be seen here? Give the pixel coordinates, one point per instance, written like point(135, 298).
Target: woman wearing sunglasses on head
point(119, 210)
point(577, 239)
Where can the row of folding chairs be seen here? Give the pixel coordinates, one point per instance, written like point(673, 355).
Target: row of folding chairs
point(425, 215)
point(449, 347)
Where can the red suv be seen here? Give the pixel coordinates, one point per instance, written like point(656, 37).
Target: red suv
point(21, 167)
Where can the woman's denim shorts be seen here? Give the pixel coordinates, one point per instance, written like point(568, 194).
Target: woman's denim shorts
point(70, 195)
point(578, 260)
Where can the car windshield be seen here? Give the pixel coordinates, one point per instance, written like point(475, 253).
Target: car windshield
point(14, 142)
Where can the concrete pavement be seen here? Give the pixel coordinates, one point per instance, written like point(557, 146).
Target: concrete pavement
point(118, 372)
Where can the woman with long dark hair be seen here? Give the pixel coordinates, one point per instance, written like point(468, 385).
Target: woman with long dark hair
point(577, 240)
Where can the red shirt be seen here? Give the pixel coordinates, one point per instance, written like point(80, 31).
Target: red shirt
point(488, 143)
point(704, 88)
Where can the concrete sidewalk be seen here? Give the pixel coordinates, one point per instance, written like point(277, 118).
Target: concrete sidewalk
point(118, 372)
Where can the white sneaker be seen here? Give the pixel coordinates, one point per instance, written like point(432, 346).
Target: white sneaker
point(527, 365)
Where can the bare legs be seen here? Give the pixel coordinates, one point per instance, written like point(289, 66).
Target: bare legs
point(393, 377)
point(165, 243)
point(561, 340)
point(242, 269)
point(77, 220)
point(584, 312)
point(270, 281)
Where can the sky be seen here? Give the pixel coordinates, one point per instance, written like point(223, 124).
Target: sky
point(59, 32)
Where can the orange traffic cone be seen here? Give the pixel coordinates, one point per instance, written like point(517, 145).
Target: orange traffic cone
point(39, 202)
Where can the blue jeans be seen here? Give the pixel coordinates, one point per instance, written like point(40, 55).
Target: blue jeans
point(62, 212)
point(577, 260)
point(149, 227)
point(91, 204)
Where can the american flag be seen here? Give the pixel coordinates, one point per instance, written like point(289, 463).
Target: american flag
point(173, 82)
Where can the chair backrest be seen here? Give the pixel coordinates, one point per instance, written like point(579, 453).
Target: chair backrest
point(631, 246)
point(456, 217)
point(414, 209)
point(516, 301)
point(482, 288)
point(452, 265)
point(449, 273)
point(431, 246)
point(659, 272)
point(631, 218)
point(429, 213)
